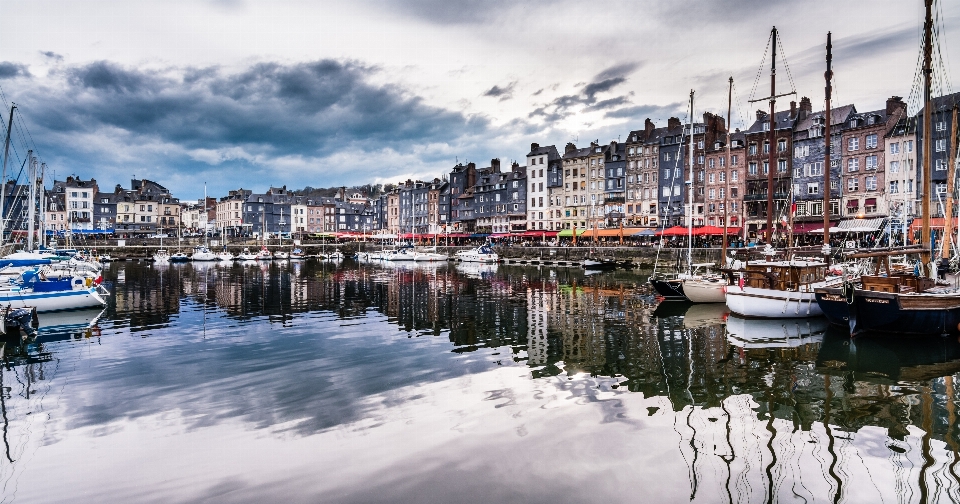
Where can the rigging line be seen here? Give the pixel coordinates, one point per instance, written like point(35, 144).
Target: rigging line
point(783, 61)
point(943, 61)
point(756, 79)
point(23, 124)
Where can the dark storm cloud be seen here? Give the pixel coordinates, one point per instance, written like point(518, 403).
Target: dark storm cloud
point(10, 70)
point(458, 11)
point(52, 55)
point(638, 113)
point(504, 93)
point(310, 109)
point(565, 105)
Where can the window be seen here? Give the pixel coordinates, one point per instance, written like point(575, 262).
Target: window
point(871, 162)
point(766, 147)
point(894, 186)
point(733, 160)
point(941, 188)
point(781, 145)
point(941, 164)
point(710, 178)
point(872, 141)
point(895, 148)
point(941, 126)
point(940, 145)
point(853, 144)
point(909, 145)
point(894, 166)
point(782, 166)
point(733, 176)
point(752, 168)
point(853, 164)
point(711, 163)
point(870, 183)
point(853, 184)
point(666, 156)
point(712, 193)
point(752, 150)
point(813, 188)
point(766, 167)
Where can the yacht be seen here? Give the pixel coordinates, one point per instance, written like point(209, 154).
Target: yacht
point(201, 253)
point(246, 255)
point(481, 254)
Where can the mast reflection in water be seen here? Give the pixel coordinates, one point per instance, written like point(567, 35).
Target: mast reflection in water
point(384, 383)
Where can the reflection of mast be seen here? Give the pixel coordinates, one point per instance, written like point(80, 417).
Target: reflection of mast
point(926, 402)
point(3, 410)
point(771, 404)
point(828, 399)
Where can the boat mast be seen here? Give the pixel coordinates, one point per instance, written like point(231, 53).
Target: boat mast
point(773, 133)
point(3, 180)
point(827, 91)
point(726, 178)
point(927, 142)
point(43, 205)
point(32, 210)
point(690, 194)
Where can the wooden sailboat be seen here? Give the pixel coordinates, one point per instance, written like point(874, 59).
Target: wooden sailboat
point(909, 303)
point(772, 288)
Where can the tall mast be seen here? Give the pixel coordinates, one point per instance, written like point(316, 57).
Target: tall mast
point(927, 140)
point(690, 194)
point(827, 91)
point(772, 157)
point(726, 178)
point(3, 180)
point(32, 210)
point(43, 204)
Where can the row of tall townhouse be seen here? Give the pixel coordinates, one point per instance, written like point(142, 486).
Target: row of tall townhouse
point(650, 180)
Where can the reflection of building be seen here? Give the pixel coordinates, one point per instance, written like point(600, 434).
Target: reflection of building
point(540, 303)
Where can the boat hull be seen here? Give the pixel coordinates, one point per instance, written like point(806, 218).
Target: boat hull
point(705, 290)
point(753, 302)
point(53, 301)
point(669, 290)
point(915, 315)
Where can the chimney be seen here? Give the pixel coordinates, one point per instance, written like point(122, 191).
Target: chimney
point(471, 175)
point(895, 103)
point(761, 115)
point(806, 105)
point(569, 148)
point(534, 146)
point(673, 123)
point(793, 108)
point(515, 167)
point(495, 165)
point(648, 127)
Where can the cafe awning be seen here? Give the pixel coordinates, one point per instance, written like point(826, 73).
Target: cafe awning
point(568, 233)
point(811, 227)
point(861, 225)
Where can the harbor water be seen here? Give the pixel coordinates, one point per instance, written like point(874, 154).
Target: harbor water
point(342, 382)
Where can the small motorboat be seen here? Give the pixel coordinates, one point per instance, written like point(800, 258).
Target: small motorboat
point(226, 256)
point(202, 253)
point(281, 255)
point(179, 257)
point(246, 255)
point(481, 254)
point(297, 254)
point(335, 256)
point(161, 256)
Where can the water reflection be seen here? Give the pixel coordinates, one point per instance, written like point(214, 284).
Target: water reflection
point(373, 363)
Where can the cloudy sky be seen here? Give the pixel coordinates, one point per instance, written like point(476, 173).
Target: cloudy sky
point(244, 93)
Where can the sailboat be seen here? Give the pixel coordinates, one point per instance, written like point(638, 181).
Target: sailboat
point(281, 254)
point(713, 288)
point(671, 289)
point(911, 303)
point(203, 252)
point(784, 288)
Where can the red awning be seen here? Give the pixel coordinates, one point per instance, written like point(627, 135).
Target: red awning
point(714, 231)
point(870, 202)
point(853, 203)
point(674, 231)
point(538, 234)
point(806, 227)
